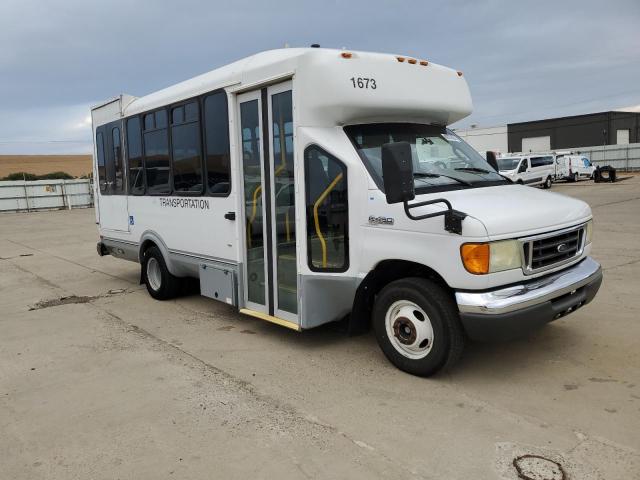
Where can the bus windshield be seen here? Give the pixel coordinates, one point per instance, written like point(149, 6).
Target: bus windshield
point(441, 159)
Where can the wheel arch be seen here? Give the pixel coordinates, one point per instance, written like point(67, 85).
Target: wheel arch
point(152, 239)
point(380, 276)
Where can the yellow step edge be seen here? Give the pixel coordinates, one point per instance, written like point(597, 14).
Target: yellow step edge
point(272, 319)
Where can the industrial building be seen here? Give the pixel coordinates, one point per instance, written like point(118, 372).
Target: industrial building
point(616, 127)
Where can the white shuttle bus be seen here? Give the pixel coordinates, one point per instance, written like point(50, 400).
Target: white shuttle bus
point(305, 186)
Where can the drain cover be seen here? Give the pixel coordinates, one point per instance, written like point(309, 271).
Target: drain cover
point(535, 467)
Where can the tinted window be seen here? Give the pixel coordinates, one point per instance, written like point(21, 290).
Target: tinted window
point(327, 211)
point(118, 186)
point(134, 150)
point(216, 120)
point(156, 155)
point(185, 146)
point(100, 161)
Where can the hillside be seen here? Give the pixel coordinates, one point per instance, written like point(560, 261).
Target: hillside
point(76, 165)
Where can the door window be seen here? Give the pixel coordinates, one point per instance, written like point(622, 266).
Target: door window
point(134, 157)
point(216, 122)
point(523, 166)
point(284, 191)
point(327, 211)
point(252, 172)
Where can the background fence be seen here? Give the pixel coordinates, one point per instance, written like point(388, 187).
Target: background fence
point(621, 157)
point(29, 196)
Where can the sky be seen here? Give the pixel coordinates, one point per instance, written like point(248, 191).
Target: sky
point(523, 60)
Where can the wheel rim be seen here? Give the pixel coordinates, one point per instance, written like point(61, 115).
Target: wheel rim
point(409, 329)
point(154, 274)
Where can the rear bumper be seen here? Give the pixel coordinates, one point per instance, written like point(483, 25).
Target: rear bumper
point(513, 311)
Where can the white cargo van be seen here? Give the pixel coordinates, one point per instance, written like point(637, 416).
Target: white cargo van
point(528, 169)
point(305, 186)
point(573, 167)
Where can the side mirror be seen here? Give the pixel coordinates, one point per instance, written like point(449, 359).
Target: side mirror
point(397, 171)
point(492, 160)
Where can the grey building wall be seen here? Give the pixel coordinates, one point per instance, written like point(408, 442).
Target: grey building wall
point(576, 131)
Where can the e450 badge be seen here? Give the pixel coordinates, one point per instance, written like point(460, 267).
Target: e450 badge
point(373, 220)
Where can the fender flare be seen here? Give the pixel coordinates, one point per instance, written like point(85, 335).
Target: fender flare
point(149, 236)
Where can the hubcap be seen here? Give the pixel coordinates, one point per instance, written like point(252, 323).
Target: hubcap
point(154, 274)
point(409, 329)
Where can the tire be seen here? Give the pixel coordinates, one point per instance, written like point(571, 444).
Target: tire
point(575, 177)
point(547, 183)
point(161, 284)
point(417, 326)
point(520, 182)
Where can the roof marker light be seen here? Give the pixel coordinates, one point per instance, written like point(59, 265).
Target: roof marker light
point(346, 54)
point(424, 63)
point(412, 61)
point(400, 59)
point(459, 73)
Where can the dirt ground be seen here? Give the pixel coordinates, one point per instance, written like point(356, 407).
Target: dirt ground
point(100, 381)
point(75, 165)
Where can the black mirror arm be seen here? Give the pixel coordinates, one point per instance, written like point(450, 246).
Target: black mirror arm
point(452, 218)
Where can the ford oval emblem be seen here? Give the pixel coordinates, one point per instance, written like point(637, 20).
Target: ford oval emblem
point(562, 247)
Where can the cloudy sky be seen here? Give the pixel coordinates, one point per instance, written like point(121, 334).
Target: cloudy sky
point(523, 60)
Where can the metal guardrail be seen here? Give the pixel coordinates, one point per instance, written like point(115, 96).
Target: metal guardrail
point(29, 196)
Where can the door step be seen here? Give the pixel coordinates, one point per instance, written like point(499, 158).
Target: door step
point(272, 319)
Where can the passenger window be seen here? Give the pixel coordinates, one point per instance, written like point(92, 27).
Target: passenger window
point(156, 154)
point(118, 186)
point(586, 161)
point(102, 181)
point(134, 157)
point(327, 211)
point(185, 148)
point(216, 122)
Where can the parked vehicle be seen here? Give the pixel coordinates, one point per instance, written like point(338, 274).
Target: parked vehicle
point(528, 169)
point(573, 167)
point(301, 192)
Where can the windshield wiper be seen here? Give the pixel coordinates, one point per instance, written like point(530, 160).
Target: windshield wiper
point(472, 170)
point(436, 175)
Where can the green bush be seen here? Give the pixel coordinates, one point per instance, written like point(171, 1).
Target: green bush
point(21, 176)
point(31, 176)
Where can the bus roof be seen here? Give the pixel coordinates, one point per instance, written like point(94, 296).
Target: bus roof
point(394, 88)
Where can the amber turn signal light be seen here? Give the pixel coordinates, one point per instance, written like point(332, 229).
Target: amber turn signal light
point(459, 73)
point(400, 59)
point(475, 257)
point(346, 55)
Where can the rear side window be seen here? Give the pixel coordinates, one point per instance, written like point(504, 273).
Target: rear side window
point(118, 186)
point(185, 148)
point(156, 153)
point(134, 151)
point(327, 211)
point(541, 161)
point(216, 123)
point(102, 180)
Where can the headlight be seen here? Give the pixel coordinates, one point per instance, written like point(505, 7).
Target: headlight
point(483, 258)
point(588, 232)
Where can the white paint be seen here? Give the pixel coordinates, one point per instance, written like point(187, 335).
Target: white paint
point(622, 137)
point(536, 144)
point(494, 139)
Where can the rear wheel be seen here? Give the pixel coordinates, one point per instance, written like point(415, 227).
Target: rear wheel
point(161, 284)
point(417, 326)
point(547, 183)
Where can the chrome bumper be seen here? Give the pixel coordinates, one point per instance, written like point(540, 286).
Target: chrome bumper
point(530, 293)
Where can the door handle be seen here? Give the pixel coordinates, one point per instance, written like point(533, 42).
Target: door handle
point(230, 215)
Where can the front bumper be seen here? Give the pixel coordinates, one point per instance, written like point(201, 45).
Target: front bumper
point(512, 311)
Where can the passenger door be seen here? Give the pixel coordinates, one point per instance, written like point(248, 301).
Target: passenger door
point(265, 137)
point(112, 198)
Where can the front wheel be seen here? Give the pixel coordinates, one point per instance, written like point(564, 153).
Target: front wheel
point(576, 177)
point(417, 326)
point(547, 183)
